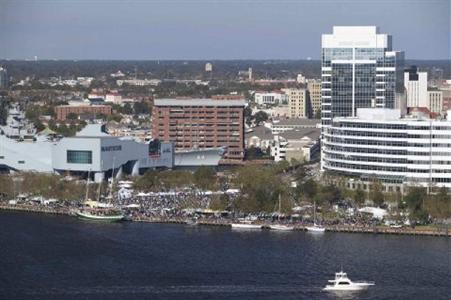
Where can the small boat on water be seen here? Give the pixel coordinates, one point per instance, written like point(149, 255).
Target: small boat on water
point(281, 227)
point(246, 226)
point(343, 283)
point(315, 228)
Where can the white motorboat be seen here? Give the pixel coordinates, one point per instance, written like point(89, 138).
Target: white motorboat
point(343, 283)
point(281, 227)
point(246, 226)
point(316, 228)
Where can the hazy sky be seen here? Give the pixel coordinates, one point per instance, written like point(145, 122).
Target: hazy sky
point(201, 29)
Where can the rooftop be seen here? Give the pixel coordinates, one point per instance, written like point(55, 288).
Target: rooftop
point(198, 102)
point(297, 121)
point(296, 134)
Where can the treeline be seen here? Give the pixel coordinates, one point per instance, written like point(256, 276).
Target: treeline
point(178, 69)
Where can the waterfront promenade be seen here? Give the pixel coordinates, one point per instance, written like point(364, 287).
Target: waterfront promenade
point(418, 231)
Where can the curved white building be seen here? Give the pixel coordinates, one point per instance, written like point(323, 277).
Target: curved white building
point(381, 143)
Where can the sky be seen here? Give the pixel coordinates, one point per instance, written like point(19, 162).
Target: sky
point(201, 29)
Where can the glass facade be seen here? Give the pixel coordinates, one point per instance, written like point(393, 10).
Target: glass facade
point(359, 78)
point(79, 157)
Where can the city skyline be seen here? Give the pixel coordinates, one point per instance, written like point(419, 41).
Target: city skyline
point(184, 30)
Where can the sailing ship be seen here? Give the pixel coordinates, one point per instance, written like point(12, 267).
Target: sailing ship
point(315, 228)
point(280, 227)
point(98, 211)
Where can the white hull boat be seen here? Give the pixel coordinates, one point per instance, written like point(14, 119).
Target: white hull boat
point(342, 283)
point(281, 227)
point(245, 226)
point(316, 228)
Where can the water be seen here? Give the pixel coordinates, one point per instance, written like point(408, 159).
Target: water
point(54, 257)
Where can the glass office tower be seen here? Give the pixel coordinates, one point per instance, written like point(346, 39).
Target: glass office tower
point(359, 70)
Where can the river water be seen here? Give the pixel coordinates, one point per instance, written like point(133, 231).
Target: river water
point(55, 257)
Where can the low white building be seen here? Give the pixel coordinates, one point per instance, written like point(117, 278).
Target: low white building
point(270, 98)
point(384, 144)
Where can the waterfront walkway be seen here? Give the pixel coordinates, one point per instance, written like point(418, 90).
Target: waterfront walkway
point(431, 231)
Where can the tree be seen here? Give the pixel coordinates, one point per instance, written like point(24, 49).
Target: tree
point(260, 117)
point(309, 188)
point(359, 196)
point(260, 189)
point(318, 114)
point(248, 115)
point(141, 108)
point(204, 177)
point(414, 200)
point(376, 195)
point(439, 205)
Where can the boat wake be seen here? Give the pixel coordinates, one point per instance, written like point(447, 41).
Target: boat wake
point(178, 289)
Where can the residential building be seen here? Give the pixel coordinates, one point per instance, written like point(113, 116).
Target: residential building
point(208, 67)
point(297, 100)
point(359, 69)
point(435, 101)
point(416, 85)
point(201, 123)
point(382, 144)
point(314, 96)
point(4, 79)
point(63, 111)
point(270, 98)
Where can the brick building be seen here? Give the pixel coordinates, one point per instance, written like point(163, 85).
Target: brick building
point(63, 111)
point(202, 123)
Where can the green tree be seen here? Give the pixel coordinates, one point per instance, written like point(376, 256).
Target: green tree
point(376, 195)
point(260, 117)
point(141, 108)
point(309, 189)
point(204, 177)
point(359, 196)
point(415, 199)
point(260, 189)
point(318, 114)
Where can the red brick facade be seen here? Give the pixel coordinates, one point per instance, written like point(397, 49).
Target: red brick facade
point(64, 110)
point(202, 124)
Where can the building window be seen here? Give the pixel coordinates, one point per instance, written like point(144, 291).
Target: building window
point(79, 157)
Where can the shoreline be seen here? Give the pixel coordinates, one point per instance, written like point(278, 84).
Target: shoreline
point(445, 232)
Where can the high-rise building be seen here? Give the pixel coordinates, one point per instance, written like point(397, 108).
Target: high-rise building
point(435, 101)
point(416, 85)
point(314, 96)
point(4, 80)
point(201, 123)
point(359, 70)
point(297, 101)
